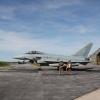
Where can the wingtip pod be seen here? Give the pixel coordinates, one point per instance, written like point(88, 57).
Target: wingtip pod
point(84, 51)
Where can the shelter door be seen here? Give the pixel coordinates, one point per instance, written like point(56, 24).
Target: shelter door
point(98, 58)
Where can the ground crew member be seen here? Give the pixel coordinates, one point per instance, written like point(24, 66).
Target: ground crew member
point(60, 66)
point(69, 66)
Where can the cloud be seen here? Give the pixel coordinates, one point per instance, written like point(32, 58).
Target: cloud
point(6, 12)
point(19, 43)
point(9, 11)
point(78, 29)
point(12, 41)
point(13, 44)
point(56, 4)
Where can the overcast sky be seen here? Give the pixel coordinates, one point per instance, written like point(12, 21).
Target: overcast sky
point(53, 26)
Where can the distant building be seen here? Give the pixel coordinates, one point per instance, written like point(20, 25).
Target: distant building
point(95, 57)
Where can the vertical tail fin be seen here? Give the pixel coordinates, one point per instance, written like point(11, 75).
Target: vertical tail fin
point(84, 51)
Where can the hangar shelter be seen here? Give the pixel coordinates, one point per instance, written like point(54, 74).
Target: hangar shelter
point(95, 57)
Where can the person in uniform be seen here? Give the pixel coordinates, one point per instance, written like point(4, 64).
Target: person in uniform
point(60, 66)
point(69, 66)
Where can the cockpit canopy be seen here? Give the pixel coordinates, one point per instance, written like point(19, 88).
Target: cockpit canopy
point(34, 52)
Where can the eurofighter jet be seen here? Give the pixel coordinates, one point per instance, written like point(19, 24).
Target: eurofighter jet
point(37, 57)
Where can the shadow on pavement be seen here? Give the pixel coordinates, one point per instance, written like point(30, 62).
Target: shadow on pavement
point(21, 70)
point(87, 70)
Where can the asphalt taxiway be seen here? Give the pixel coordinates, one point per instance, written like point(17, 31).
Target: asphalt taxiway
point(23, 82)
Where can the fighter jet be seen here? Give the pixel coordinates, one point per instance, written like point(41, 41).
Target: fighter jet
point(37, 57)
